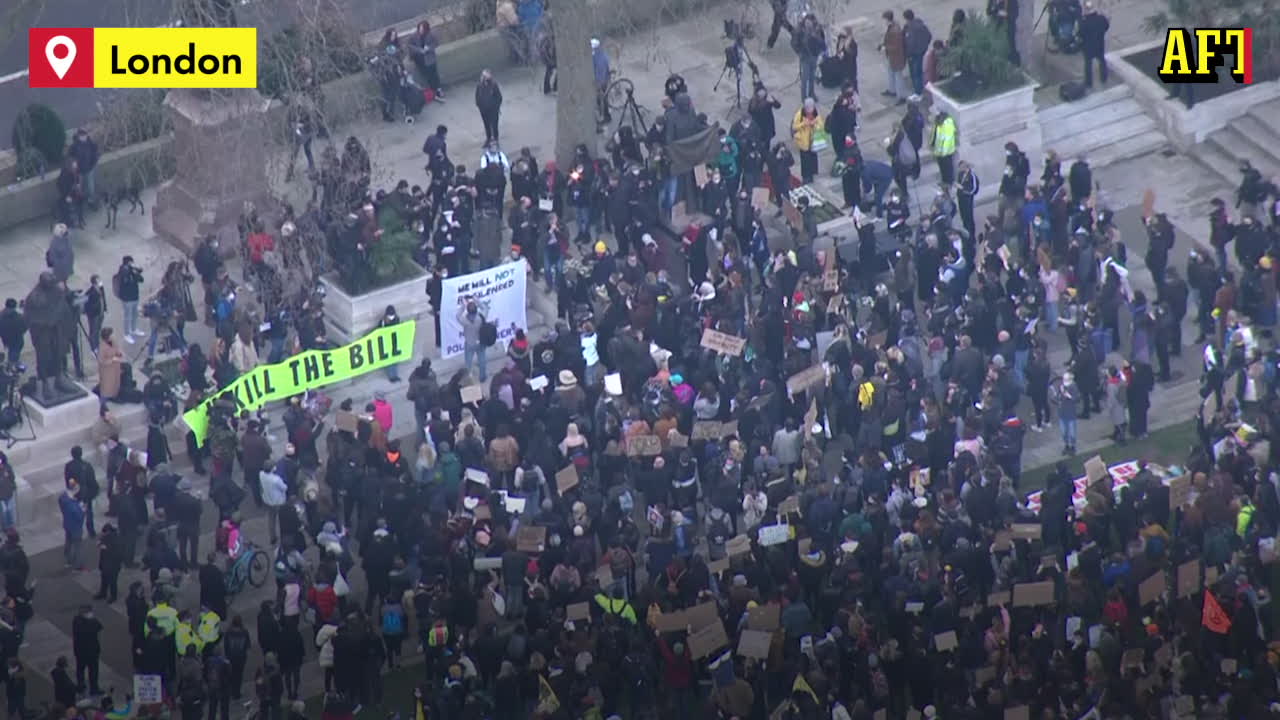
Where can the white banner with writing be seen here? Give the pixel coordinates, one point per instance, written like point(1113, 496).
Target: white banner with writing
point(500, 294)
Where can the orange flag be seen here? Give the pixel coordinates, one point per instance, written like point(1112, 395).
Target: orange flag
point(1213, 615)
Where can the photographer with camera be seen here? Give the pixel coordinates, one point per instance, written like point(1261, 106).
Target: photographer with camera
point(13, 329)
point(810, 43)
point(126, 286)
point(170, 308)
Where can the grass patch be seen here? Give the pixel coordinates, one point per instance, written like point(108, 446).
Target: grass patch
point(1166, 446)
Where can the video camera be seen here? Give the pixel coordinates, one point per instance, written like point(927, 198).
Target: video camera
point(737, 32)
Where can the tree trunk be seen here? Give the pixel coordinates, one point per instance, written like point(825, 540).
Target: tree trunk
point(576, 97)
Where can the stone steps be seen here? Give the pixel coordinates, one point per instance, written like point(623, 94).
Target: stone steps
point(1130, 147)
point(1057, 131)
point(1108, 133)
point(1081, 109)
point(1241, 143)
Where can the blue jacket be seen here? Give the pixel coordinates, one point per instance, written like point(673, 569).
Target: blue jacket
point(72, 515)
point(600, 63)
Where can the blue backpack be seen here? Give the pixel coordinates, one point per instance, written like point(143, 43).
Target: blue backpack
point(392, 620)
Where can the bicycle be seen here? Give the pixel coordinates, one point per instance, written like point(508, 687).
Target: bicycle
point(252, 566)
point(620, 97)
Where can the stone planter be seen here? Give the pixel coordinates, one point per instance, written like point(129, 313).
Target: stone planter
point(986, 124)
point(349, 317)
point(1185, 127)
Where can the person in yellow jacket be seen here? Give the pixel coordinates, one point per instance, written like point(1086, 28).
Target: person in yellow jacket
point(617, 606)
point(945, 139)
point(209, 629)
point(804, 130)
point(1244, 516)
point(185, 636)
point(166, 619)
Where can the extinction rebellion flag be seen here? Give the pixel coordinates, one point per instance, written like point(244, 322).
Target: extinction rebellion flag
point(1213, 616)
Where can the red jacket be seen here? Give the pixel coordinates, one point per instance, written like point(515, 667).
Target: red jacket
point(260, 243)
point(677, 670)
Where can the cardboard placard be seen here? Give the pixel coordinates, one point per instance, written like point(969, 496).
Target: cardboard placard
point(483, 513)
point(765, 618)
point(789, 506)
point(804, 546)
point(1164, 656)
point(1022, 712)
point(1095, 469)
point(738, 545)
point(1033, 594)
point(546, 204)
point(996, 599)
point(1132, 658)
point(880, 714)
point(759, 197)
point(701, 615)
point(830, 279)
point(1189, 578)
point(914, 714)
point(472, 394)
point(1003, 541)
point(706, 430)
point(792, 213)
point(707, 640)
point(604, 576)
point(567, 478)
point(148, 689)
point(676, 440)
point(346, 421)
point(1229, 666)
point(1211, 575)
point(531, 539)
point(715, 567)
point(700, 175)
point(755, 644)
point(670, 622)
point(1149, 590)
point(970, 612)
point(578, 611)
point(804, 379)
point(728, 429)
point(1179, 492)
point(723, 342)
point(1026, 531)
point(1148, 203)
point(613, 383)
point(774, 535)
point(946, 641)
point(914, 608)
point(478, 477)
point(984, 674)
point(644, 446)
point(538, 383)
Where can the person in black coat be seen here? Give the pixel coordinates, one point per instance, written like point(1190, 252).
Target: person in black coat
point(85, 632)
point(1093, 43)
point(489, 103)
point(110, 561)
point(13, 329)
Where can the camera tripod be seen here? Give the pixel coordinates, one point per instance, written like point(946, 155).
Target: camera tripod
point(632, 113)
point(15, 409)
point(734, 55)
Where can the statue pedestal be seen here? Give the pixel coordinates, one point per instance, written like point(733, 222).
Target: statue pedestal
point(221, 149)
point(80, 411)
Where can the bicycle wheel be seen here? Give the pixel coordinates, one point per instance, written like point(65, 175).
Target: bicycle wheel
point(617, 94)
point(259, 567)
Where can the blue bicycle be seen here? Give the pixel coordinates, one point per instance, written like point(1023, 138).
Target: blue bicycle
point(251, 566)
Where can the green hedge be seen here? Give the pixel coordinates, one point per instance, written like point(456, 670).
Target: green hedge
point(38, 127)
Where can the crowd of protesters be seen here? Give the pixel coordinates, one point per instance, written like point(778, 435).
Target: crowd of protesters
point(817, 523)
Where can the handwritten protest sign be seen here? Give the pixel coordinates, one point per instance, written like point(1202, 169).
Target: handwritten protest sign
point(764, 617)
point(472, 394)
point(567, 479)
point(1033, 594)
point(706, 430)
point(1179, 491)
point(1149, 590)
point(774, 535)
point(723, 342)
point(577, 611)
point(805, 379)
point(1188, 578)
point(946, 641)
point(754, 644)
point(531, 539)
point(644, 446)
point(707, 640)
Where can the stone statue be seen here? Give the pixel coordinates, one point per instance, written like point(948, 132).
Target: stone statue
point(52, 323)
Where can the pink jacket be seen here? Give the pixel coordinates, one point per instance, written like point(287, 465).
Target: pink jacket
point(382, 414)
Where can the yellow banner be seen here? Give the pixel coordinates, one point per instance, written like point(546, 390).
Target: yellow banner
point(175, 57)
point(308, 370)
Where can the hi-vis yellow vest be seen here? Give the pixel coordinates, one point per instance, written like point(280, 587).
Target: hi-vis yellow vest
point(186, 637)
point(944, 137)
point(166, 618)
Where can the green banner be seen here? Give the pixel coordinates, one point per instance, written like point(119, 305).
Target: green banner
point(311, 369)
